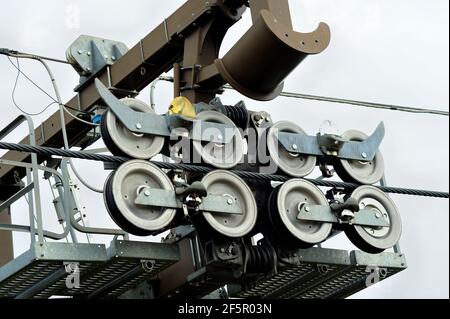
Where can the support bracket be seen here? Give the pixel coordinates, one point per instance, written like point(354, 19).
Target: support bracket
point(319, 146)
point(317, 213)
point(166, 198)
point(145, 123)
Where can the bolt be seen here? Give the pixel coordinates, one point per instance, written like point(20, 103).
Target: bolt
point(364, 155)
point(220, 137)
point(80, 52)
point(147, 193)
point(223, 250)
point(307, 209)
point(230, 202)
point(89, 53)
point(113, 58)
point(295, 147)
point(378, 215)
point(138, 126)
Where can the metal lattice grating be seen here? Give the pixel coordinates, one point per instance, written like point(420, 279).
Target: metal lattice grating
point(103, 273)
point(322, 274)
point(124, 271)
point(27, 278)
point(268, 286)
point(313, 280)
point(38, 272)
point(58, 288)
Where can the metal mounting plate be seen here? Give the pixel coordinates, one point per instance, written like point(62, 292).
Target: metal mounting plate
point(145, 123)
point(364, 217)
point(89, 54)
point(309, 145)
point(164, 198)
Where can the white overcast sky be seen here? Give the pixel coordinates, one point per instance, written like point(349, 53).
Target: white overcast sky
point(384, 51)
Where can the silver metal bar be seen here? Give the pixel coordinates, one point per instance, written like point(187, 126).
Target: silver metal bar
point(12, 126)
point(361, 151)
point(27, 229)
point(35, 171)
point(43, 284)
point(16, 197)
point(31, 211)
point(166, 198)
point(71, 217)
point(364, 217)
point(31, 208)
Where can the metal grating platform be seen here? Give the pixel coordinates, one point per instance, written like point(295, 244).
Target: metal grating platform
point(105, 273)
point(43, 265)
point(130, 263)
point(321, 274)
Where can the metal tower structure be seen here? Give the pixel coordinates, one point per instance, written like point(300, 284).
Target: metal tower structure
point(244, 220)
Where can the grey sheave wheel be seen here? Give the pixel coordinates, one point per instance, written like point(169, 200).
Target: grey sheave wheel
point(376, 239)
point(296, 165)
point(362, 172)
point(121, 142)
point(291, 197)
point(121, 191)
point(232, 187)
point(223, 156)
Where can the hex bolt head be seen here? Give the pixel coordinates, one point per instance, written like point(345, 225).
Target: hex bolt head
point(230, 202)
point(364, 155)
point(80, 52)
point(89, 53)
point(295, 147)
point(138, 126)
point(378, 215)
point(147, 193)
point(307, 209)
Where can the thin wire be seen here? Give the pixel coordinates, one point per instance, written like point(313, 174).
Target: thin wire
point(5, 51)
point(13, 94)
point(19, 70)
point(78, 119)
point(388, 107)
point(62, 110)
point(381, 106)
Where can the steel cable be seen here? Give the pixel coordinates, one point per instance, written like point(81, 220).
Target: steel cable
point(49, 152)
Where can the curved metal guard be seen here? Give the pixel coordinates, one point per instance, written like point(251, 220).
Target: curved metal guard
point(260, 61)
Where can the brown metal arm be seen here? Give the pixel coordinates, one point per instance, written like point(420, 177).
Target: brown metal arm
point(152, 56)
point(190, 40)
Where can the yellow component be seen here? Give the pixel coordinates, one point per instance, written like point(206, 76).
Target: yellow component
point(182, 106)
